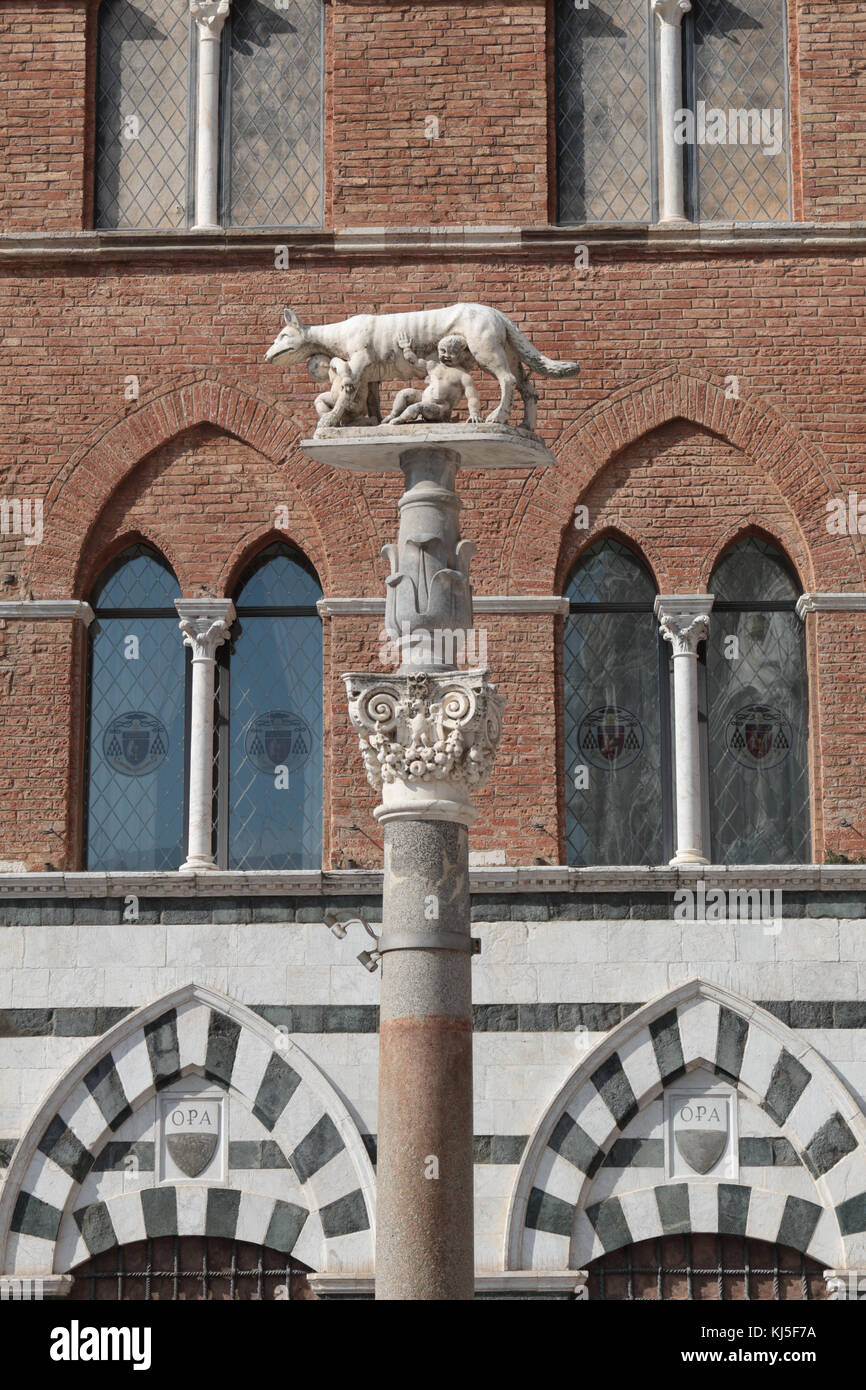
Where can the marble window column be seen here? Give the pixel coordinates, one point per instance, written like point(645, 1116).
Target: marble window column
point(205, 623)
point(209, 16)
point(683, 619)
point(670, 14)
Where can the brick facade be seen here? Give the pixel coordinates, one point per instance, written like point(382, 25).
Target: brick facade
point(651, 437)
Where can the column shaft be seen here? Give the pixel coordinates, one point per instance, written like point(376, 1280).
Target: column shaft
point(210, 16)
point(424, 1244)
point(670, 13)
point(205, 624)
point(683, 619)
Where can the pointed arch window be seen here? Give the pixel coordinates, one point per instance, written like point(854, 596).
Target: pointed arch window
point(617, 715)
point(757, 726)
point(268, 797)
point(136, 717)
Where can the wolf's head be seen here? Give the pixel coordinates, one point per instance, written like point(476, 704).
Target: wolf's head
point(290, 344)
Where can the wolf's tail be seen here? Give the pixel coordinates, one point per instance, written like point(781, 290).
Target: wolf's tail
point(536, 360)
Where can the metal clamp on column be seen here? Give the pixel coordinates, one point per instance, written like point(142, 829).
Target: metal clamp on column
point(428, 941)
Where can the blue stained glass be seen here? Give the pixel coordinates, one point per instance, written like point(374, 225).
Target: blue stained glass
point(275, 721)
point(136, 720)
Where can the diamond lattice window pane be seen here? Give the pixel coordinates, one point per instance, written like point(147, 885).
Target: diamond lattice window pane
point(758, 719)
point(275, 724)
point(612, 714)
point(141, 113)
point(602, 130)
point(740, 68)
point(136, 718)
point(273, 174)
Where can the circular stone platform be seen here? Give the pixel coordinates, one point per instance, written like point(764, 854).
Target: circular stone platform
point(378, 449)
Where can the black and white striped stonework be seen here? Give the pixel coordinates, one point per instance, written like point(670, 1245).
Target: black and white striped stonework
point(44, 1220)
point(555, 1222)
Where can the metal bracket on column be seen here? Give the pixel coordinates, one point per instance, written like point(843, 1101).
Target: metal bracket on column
point(429, 941)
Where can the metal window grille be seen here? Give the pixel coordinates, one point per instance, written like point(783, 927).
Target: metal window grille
point(608, 115)
point(613, 691)
point(757, 711)
point(605, 94)
point(272, 114)
point(135, 821)
point(711, 1268)
point(190, 1269)
point(143, 114)
point(272, 667)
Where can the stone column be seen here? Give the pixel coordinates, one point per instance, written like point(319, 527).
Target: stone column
point(428, 734)
point(209, 16)
point(205, 624)
point(670, 13)
point(683, 620)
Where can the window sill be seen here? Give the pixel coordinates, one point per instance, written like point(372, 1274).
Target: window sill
point(661, 240)
point(520, 879)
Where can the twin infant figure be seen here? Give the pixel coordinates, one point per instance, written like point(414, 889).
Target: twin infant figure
point(447, 380)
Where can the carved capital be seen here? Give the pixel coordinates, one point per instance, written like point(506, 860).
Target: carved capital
point(683, 620)
point(205, 623)
point(209, 15)
point(427, 740)
point(671, 11)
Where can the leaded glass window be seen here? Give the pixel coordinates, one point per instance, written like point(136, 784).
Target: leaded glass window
point(269, 743)
point(757, 711)
point(604, 81)
point(142, 113)
point(608, 111)
point(736, 64)
point(272, 114)
point(136, 718)
point(617, 718)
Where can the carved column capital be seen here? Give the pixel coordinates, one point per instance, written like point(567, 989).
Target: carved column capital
point(428, 741)
point(683, 620)
point(205, 623)
point(209, 15)
point(671, 11)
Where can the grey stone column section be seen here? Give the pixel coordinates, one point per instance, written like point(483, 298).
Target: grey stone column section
point(428, 734)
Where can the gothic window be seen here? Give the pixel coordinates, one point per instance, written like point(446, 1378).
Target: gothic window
point(617, 718)
point(143, 113)
point(731, 118)
point(267, 108)
point(268, 751)
point(757, 724)
point(136, 718)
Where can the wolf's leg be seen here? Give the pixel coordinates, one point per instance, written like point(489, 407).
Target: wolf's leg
point(526, 387)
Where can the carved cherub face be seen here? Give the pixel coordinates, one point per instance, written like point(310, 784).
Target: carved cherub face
point(452, 350)
point(317, 366)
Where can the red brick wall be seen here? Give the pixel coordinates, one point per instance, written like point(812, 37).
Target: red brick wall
point(647, 436)
point(482, 70)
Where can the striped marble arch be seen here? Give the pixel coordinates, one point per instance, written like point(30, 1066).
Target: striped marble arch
point(553, 1221)
point(51, 1214)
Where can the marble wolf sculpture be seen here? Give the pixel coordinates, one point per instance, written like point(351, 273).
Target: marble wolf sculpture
point(369, 345)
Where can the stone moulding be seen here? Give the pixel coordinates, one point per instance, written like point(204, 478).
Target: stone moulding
point(427, 739)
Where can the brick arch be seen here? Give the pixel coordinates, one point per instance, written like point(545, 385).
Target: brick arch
point(46, 1227)
point(552, 1221)
point(601, 433)
point(100, 465)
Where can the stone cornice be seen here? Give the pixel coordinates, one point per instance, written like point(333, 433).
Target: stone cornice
point(532, 878)
point(830, 603)
point(39, 609)
point(655, 242)
point(486, 603)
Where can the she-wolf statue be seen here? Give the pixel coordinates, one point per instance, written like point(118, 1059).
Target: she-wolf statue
point(370, 347)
